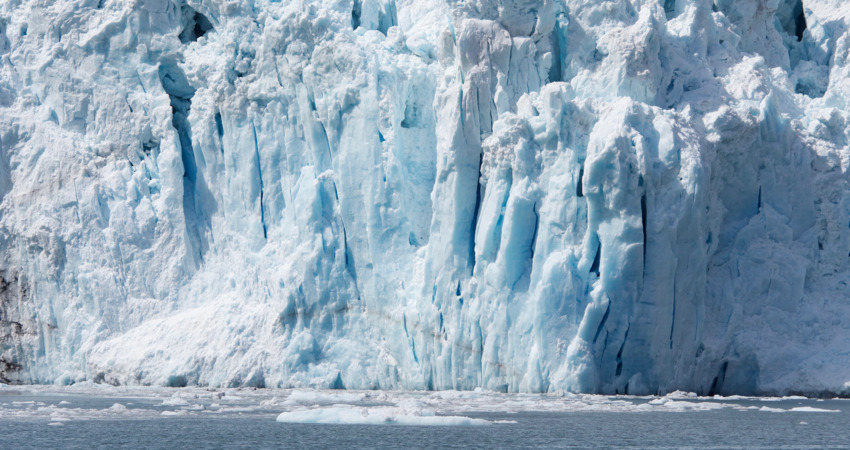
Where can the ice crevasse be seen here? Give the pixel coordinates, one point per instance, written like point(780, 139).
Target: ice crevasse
point(627, 196)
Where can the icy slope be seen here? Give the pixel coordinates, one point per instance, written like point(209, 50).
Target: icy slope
point(603, 196)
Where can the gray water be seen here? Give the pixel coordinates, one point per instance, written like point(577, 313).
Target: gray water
point(256, 428)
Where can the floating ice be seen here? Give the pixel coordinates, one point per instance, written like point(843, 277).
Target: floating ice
point(769, 409)
point(353, 415)
point(399, 407)
point(174, 401)
point(811, 409)
point(313, 396)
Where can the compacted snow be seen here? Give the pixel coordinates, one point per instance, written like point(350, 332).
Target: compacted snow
point(629, 196)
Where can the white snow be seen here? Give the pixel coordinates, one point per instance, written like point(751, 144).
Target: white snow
point(525, 196)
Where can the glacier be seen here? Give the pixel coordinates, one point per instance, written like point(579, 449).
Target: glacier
point(620, 197)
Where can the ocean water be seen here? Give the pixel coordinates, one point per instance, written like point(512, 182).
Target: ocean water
point(196, 418)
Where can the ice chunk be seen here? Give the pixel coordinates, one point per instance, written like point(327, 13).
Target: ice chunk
point(375, 416)
point(175, 401)
point(312, 397)
point(811, 409)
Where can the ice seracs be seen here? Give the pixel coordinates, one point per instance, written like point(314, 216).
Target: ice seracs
point(618, 197)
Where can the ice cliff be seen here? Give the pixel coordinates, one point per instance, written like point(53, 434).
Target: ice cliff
point(628, 196)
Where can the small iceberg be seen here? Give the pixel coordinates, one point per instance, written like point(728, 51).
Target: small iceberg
point(384, 415)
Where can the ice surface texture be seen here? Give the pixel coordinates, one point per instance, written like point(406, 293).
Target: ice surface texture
point(631, 196)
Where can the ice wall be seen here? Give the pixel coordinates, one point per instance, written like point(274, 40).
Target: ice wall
point(629, 196)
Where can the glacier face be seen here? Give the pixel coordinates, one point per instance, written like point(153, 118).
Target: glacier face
point(629, 196)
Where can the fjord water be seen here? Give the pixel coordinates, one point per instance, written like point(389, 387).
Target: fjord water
point(191, 419)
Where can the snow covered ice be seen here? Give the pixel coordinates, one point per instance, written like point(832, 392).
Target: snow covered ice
point(629, 196)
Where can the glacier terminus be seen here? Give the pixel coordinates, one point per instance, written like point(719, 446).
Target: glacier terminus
point(617, 197)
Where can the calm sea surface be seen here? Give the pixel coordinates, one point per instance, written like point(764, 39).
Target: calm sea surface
point(72, 420)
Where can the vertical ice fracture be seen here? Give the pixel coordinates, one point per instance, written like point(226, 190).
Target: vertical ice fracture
point(626, 196)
